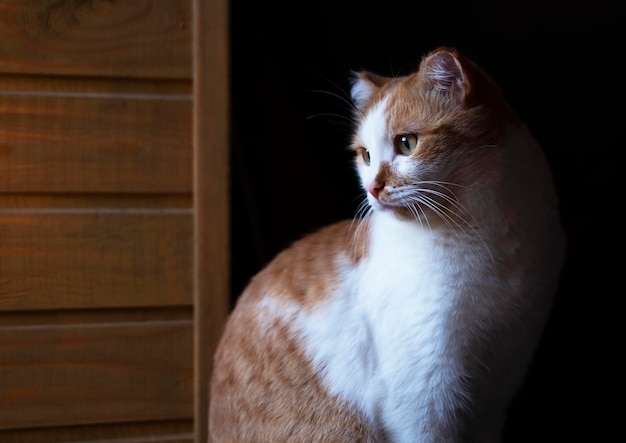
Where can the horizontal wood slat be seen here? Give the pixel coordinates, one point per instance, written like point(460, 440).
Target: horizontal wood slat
point(31, 203)
point(95, 141)
point(180, 431)
point(95, 257)
point(148, 38)
point(53, 375)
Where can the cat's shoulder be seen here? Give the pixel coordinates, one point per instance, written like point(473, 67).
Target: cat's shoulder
point(313, 265)
point(337, 239)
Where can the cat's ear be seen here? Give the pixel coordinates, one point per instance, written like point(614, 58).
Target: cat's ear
point(460, 78)
point(364, 85)
point(442, 68)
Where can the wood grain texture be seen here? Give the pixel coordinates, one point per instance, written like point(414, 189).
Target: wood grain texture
point(53, 375)
point(114, 217)
point(63, 258)
point(102, 137)
point(31, 203)
point(63, 317)
point(162, 431)
point(140, 38)
point(211, 132)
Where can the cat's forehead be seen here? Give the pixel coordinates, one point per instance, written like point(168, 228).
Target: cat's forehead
point(392, 87)
point(399, 107)
point(373, 128)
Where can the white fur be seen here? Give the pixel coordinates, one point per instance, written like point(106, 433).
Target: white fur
point(373, 132)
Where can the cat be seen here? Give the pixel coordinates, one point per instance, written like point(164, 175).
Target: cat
point(417, 320)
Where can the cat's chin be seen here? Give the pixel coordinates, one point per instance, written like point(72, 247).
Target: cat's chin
point(378, 206)
point(400, 212)
point(422, 216)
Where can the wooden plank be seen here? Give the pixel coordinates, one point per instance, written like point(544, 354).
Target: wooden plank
point(94, 316)
point(53, 375)
point(52, 85)
point(150, 39)
point(31, 203)
point(98, 140)
point(180, 431)
point(60, 258)
point(211, 196)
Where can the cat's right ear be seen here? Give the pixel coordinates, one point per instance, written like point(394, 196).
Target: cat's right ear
point(364, 85)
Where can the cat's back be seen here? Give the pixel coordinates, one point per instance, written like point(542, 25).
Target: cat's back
point(264, 386)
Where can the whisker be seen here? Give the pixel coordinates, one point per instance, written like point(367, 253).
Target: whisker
point(439, 183)
point(363, 212)
point(343, 120)
point(444, 212)
point(437, 207)
point(414, 210)
point(453, 201)
point(452, 198)
point(345, 100)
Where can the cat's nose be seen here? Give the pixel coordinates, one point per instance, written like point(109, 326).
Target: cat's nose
point(374, 189)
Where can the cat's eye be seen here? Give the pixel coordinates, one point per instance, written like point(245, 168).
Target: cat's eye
point(365, 154)
point(405, 143)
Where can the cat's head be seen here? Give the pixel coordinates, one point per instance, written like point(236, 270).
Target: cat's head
point(424, 140)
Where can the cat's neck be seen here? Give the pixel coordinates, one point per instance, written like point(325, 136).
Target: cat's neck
point(399, 235)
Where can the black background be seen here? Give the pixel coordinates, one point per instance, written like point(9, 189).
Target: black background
point(561, 68)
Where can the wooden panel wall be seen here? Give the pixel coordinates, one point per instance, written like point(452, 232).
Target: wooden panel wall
point(211, 177)
point(99, 220)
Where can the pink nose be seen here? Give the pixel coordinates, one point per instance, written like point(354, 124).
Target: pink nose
point(374, 188)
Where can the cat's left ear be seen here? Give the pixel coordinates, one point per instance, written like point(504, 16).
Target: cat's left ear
point(364, 86)
point(442, 68)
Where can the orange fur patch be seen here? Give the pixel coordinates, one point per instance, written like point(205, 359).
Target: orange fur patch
point(264, 387)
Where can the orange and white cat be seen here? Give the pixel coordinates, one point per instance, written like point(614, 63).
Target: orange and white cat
point(416, 322)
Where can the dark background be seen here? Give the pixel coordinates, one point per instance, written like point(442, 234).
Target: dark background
point(561, 68)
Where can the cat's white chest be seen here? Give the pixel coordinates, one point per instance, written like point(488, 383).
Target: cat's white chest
point(382, 338)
